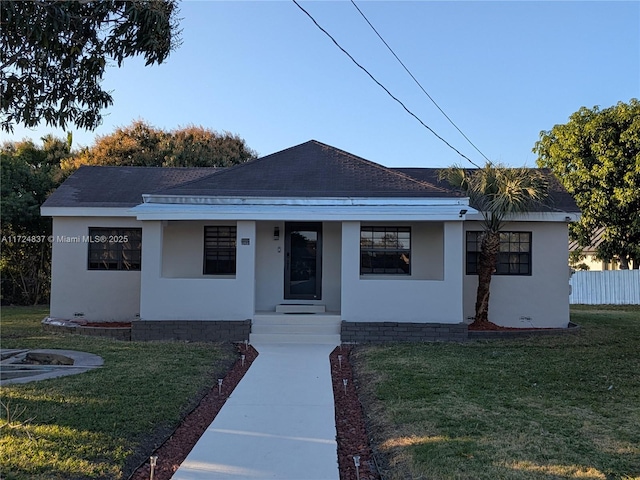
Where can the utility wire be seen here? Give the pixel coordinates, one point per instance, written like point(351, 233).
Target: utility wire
point(417, 82)
point(385, 88)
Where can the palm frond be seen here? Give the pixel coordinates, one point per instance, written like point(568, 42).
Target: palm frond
point(498, 191)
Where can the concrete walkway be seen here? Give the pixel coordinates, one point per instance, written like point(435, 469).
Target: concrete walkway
point(278, 423)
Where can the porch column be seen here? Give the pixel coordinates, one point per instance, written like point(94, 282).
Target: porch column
point(246, 263)
point(454, 267)
point(350, 267)
point(152, 232)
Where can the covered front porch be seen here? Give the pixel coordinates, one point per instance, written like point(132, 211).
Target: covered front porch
point(304, 265)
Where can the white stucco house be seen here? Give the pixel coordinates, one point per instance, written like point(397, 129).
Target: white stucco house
point(307, 244)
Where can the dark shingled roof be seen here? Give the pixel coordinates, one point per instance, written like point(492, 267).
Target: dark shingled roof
point(311, 169)
point(559, 199)
point(118, 186)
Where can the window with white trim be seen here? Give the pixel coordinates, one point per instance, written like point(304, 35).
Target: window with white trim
point(385, 250)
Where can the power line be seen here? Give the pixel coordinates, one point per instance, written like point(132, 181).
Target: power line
point(385, 88)
point(417, 82)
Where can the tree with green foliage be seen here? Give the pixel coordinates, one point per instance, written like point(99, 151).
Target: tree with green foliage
point(141, 144)
point(596, 156)
point(498, 193)
point(196, 146)
point(28, 174)
point(54, 55)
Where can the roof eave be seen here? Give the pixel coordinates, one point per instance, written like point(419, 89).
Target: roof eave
point(556, 216)
point(85, 211)
point(301, 212)
point(302, 201)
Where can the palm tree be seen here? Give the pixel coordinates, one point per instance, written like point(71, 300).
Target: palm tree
point(498, 193)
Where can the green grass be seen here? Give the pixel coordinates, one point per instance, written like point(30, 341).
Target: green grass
point(536, 408)
point(100, 423)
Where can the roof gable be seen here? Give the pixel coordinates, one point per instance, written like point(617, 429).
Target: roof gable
point(311, 169)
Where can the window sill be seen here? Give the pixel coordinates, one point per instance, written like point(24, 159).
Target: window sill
point(374, 276)
point(200, 277)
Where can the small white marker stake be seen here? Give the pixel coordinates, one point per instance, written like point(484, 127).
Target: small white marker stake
point(242, 357)
point(219, 386)
point(340, 360)
point(344, 382)
point(356, 461)
point(153, 461)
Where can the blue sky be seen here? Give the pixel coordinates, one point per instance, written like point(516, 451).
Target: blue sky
point(503, 71)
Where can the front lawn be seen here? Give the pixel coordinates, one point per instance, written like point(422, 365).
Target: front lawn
point(536, 408)
point(101, 423)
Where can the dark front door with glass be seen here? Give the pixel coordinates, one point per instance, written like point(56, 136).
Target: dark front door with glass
point(303, 261)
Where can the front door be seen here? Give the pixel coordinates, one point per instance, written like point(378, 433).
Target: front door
point(303, 261)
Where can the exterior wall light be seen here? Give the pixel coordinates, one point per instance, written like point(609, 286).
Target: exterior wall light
point(462, 212)
point(276, 233)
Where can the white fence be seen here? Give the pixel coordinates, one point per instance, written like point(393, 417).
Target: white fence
point(609, 287)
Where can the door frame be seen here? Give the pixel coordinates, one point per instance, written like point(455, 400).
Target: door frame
point(290, 227)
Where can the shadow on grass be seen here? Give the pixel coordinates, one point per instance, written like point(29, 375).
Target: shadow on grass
point(440, 457)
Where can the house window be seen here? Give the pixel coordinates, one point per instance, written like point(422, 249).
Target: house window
point(220, 250)
point(115, 248)
point(385, 250)
point(514, 257)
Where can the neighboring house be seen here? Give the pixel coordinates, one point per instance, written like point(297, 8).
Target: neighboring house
point(308, 244)
point(589, 253)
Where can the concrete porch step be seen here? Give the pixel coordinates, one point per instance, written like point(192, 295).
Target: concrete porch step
point(301, 328)
point(319, 328)
point(299, 308)
point(270, 318)
point(273, 338)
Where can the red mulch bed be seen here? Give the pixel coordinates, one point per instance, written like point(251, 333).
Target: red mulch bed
point(107, 324)
point(350, 426)
point(492, 327)
point(487, 326)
